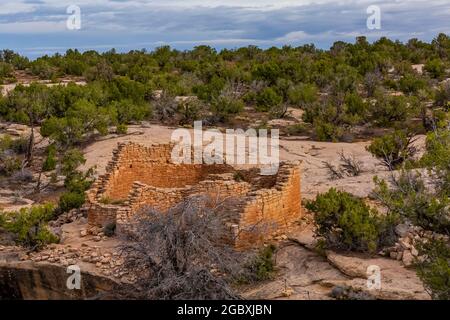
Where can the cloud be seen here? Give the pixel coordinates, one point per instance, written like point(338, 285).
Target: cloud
point(38, 27)
point(221, 23)
point(14, 7)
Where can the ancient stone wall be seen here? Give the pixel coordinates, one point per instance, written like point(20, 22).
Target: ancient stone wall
point(152, 166)
point(139, 177)
point(271, 211)
point(162, 199)
point(134, 166)
point(102, 214)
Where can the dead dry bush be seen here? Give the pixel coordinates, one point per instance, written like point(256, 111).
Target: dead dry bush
point(184, 253)
point(349, 166)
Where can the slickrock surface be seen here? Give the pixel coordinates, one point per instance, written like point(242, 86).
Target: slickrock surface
point(315, 178)
point(304, 274)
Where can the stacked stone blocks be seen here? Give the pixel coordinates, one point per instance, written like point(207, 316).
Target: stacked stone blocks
point(139, 177)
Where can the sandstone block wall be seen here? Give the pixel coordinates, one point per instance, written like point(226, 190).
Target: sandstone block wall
point(139, 177)
point(152, 166)
point(271, 211)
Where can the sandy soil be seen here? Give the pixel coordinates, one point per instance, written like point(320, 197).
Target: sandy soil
point(302, 273)
point(315, 177)
point(7, 88)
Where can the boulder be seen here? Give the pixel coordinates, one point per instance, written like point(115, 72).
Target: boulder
point(287, 292)
point(405, 243)
point(407, 258)
point(310, 276)
point(402, 229)
point(17, 130)
point(397, 282)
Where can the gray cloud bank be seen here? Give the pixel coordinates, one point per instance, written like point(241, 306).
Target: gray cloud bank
point(36, 27)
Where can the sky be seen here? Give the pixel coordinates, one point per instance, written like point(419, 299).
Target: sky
point(38, 27)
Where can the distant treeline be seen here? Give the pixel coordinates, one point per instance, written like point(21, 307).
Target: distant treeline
point(380, 84)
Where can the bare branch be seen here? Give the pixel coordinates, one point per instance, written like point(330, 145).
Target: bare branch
point(183, 253)
point(351, 165)
point(335, 173)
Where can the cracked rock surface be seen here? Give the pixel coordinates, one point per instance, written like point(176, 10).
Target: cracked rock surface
point(305, 274)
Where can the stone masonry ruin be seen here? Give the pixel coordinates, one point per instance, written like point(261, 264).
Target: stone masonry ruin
point(139, 177)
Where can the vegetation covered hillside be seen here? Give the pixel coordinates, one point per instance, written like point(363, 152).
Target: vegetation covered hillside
point(385, 84)
point(387, 92)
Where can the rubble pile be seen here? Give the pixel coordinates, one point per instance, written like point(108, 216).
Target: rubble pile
point(405, 249)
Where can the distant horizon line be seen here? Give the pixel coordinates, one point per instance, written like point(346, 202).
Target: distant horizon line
point(51, 51)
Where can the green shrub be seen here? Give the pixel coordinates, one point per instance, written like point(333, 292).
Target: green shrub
point(9, 160)
point(223, 107)
point(390, 109)
point(443, 96)
point(355, 107)
point(435, 67)
point(434, 271)
point(190, 110)
point(6, 69)
point(5, 142)
point(261, 267)
point(121, 129)
point(20, 145)
point(410, 84)
point(393, 149)
point(409, 198)
point(71, 200)
point(76, 182)
point(269, 71)
point(437, 159)
point(108, 200)
point(346, 222)
point(9, 164)
point(30, 225)
point(266, 99)
point(128, 111)
point(302, 94)
point(110, 229)
point(264, 265)
point(297, 129)
point(51, 160)
point(42, 69)
point(238, 176)
point(325, 131)
point(71, 160)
